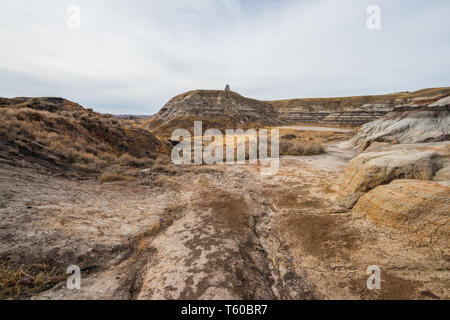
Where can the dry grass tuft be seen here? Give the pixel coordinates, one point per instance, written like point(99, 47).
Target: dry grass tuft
point(151, 231)
point(22, 282)
point(299, 148)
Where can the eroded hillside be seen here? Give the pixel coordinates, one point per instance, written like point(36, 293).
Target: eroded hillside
point(216, 109)
point(72, 136)
point(352, 111)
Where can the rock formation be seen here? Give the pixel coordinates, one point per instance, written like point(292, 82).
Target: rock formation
point(418, 209)
point(400, 186)
point(217, 109)
point(353, 111)
point(409, 125)
point(408, 143)
point(387, 163)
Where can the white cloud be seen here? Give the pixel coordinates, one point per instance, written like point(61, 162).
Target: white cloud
point(132, 56)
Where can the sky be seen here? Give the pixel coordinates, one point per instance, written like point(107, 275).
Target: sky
point(132, 56)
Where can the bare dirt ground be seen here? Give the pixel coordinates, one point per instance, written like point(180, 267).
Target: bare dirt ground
point(208, 232)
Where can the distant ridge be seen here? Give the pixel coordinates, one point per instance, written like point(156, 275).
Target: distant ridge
point(353, 111)
point(221, 109)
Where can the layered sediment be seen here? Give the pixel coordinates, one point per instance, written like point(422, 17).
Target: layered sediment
point(228, 109)
point(353, 111)
point(216, 109)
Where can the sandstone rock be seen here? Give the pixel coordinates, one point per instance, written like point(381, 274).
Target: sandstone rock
point(370, 169)
point(417, 209)
point(442, 176)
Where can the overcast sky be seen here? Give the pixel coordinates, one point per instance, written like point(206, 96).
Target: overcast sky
point(132, 56)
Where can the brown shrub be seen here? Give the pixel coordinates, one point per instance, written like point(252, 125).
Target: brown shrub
point(128, 160)
point(298, 148)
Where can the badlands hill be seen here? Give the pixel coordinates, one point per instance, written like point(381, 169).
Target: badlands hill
point(353, 111)
point(221, 109)
point(67, 134)
point(217, 109)
point(409, 124)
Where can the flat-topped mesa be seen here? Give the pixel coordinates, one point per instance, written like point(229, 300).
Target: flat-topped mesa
point(217, 109)
point(353, 111)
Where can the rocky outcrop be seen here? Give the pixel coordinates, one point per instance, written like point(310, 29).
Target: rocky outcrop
point(409, 161)
point(442, 176)
point(418, 209)
point(353, 111)
point(408, 143)
point(408, 125)
point(400, 182)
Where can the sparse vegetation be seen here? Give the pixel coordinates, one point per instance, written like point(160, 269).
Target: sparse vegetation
point(70, 135)
point(22, 282)
point(151, 231)
point(298, 143)
point(298, 148)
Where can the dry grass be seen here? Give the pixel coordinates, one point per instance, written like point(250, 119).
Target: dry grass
point(151, 231)
point(166, 220)
point(292, 142)
point(298, 148)
point(73, 136)
point(22, 282)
